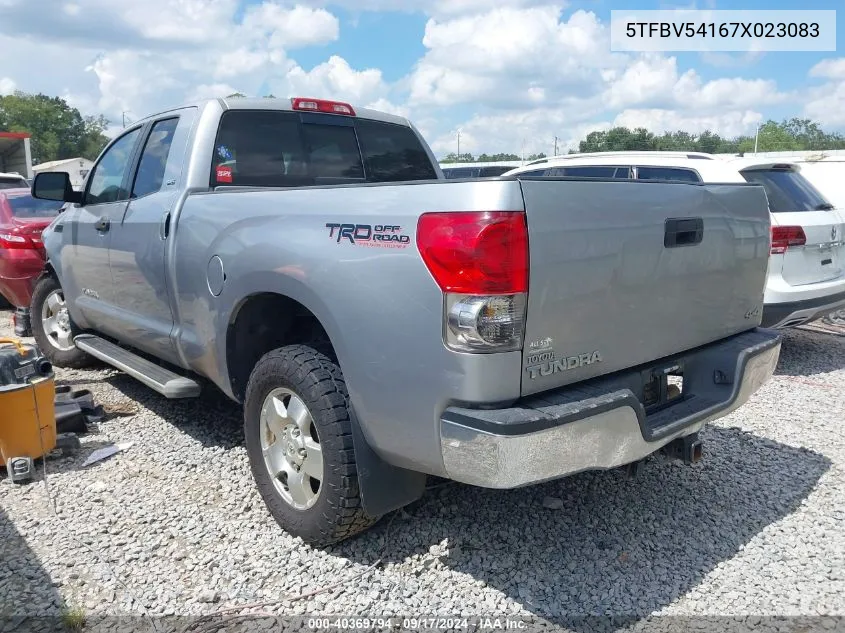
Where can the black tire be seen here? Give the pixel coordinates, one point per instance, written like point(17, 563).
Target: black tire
point(317, 381)
point(74, 357)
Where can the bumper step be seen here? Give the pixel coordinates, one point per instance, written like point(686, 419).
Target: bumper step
point(164, 381)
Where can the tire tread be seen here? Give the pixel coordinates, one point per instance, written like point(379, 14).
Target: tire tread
point(323, 383)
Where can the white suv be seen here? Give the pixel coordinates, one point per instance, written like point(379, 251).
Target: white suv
point(806, 278)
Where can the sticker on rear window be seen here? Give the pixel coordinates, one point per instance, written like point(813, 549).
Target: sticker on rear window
point(224, 173)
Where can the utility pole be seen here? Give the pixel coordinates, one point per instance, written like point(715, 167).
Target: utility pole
point(555, 154)
point(123, 115)
point(756, 136)
point(459, 145)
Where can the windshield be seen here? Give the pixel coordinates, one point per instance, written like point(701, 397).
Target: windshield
point(29, 207)
point(787, 190)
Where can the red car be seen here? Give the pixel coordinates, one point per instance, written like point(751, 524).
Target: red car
point(22, 218)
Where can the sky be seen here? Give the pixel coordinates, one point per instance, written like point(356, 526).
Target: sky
point(510, 75)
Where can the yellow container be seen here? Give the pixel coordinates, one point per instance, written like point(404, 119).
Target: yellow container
point(27, 402)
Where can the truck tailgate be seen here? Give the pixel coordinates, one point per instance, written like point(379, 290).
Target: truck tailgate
point(624, 273)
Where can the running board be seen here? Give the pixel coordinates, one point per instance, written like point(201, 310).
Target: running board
point(167, 383)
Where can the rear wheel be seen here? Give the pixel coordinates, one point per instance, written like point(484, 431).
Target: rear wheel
point(53, 328)
point(299, 440)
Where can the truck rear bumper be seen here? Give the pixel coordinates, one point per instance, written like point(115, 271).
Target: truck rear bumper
point(602, 423)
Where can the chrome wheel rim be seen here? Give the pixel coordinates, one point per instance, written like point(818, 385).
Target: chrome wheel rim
point(291, 448)
point(56, 321)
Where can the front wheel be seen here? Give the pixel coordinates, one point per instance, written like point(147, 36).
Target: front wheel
point(53, 328)
point(299, 441)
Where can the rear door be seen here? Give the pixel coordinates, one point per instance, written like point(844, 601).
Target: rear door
point(625, 272)
point(797, 203)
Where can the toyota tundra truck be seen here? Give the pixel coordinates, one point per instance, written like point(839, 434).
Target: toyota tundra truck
point(380, 324)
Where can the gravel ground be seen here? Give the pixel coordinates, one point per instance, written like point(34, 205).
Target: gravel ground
point(174, 526)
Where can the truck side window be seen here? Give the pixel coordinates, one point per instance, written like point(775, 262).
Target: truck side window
point(393, 153)
point(151, 169)
point(591, 171)
point(667, 173)
point(535, 173)
point(108, 176)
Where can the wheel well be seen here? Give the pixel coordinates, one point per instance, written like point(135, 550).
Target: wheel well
point(264, 322)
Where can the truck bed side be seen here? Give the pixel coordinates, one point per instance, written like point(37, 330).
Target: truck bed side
point(383, 310)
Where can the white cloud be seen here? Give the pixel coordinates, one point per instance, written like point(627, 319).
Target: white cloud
point(829, 69)
point(384, 105)
point(654, 80)
point(502, 56)
point(333, 79)
point(826, 103)
point(439, 8)
point(730, 123)
point(290, 28)
point(7, 86)
point(165, 52)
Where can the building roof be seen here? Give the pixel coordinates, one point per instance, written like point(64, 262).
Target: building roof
point(56, 163)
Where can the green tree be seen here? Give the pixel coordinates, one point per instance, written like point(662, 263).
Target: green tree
point(58, 130)
point(235, 95)
point(452, 157)
point(494, 158)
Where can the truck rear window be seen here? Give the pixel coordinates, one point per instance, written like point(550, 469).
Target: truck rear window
point(787, 190)
point(13, 183)
point(289, 149)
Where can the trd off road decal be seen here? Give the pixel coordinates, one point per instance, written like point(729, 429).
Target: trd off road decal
point(372, 235)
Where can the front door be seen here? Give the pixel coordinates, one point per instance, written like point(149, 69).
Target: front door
point(137, 251)
point(87, 282)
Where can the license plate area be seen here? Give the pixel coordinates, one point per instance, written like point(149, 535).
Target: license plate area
point(662, 387)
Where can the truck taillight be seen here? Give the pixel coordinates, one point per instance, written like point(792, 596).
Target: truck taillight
point(785, 236)
point(322, 105)
point(480, 262)
point(13, 240)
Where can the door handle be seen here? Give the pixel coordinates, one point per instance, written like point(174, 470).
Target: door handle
point(102, 225)
point(165, 226)
point(683, 232)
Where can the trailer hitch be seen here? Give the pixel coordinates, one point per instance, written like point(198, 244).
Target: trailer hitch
point(689, 449)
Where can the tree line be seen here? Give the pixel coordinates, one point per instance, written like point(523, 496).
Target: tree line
point(793, 134)
point(60, 131)
point(57, 130)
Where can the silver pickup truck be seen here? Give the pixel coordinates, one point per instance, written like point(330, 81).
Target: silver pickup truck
point(380, 323)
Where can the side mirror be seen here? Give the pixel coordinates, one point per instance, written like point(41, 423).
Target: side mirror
point(55, 185)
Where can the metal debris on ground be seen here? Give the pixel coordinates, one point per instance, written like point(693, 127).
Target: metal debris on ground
point(105, 452)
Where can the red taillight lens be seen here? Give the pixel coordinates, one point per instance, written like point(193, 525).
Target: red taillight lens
point(13, 240)
point(322, 105)
point(478, 253)
point(785, 236)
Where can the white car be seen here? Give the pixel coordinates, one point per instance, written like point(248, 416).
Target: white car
point(12, 181)
point(806, 278)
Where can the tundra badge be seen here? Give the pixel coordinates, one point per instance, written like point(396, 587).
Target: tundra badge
point(545, 364)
